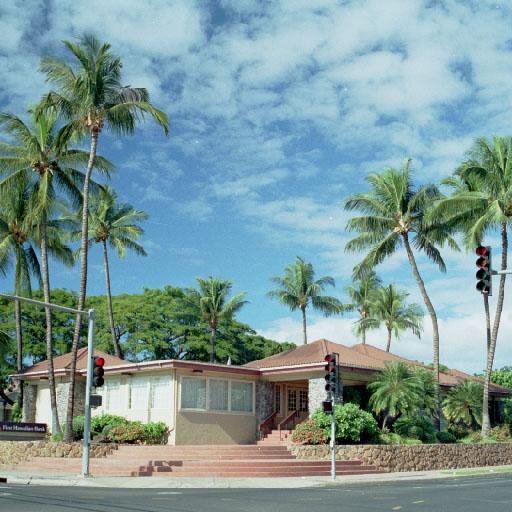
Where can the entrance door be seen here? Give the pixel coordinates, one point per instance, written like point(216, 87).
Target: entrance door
point(297, 400)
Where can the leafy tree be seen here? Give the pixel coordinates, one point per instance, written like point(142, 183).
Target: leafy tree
point(17, 241)
point(298, 289)
point(395, 391)
point(463, 403)
point(117, 225)
point(393, 216)
point(503, 376)
point(213, 305)
point(361, 298)
point(389, 307)
point(90, 98)
point(34, 156)
point(481, 203)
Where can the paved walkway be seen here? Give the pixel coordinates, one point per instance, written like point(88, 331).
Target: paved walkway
point(14, 476)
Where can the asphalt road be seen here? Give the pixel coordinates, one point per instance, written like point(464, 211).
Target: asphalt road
point(469, 494)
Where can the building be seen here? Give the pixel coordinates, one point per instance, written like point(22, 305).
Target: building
point(211, 403)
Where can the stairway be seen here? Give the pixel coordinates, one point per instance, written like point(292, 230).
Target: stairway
point(275, 437)
point(199, 461)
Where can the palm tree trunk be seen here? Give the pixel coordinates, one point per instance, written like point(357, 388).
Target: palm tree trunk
point(363, 336)
point(213, 337)
point(17, 319)
point(389, 340)
point(385, 421)
point(486, 422)
point(83, 284)
point(49, 341)
point(117, 349)
point(435, 327)
point(304, 327)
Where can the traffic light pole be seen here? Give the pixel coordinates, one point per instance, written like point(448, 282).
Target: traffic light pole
point(87, 419)
point(333, 441)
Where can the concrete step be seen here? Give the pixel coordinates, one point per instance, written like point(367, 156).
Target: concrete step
point(256, 474)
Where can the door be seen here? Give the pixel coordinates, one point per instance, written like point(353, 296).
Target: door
point(297, 400)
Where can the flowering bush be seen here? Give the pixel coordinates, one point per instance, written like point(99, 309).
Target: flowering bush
point(309, 432)
point(131, 433)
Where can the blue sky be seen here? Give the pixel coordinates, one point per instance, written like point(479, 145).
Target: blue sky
point(278, 111)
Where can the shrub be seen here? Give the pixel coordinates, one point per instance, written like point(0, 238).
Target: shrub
point(57, 437)
point(458, 431)
point(129, 433)
point(309, 432)
point(78, 427)
point(387, 437)
point(106, 421)
point(16, 413)
point(353, 425)
point(416, 427)
point(501, 434)
point(155, 433)
point(446, 437)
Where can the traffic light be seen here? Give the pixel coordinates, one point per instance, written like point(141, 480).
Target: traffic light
point(98, 372)
point(331, 376)
point(484, 272)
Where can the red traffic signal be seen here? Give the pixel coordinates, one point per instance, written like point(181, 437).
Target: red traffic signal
point(484, 272)
point(98, 372)
point(331, 377)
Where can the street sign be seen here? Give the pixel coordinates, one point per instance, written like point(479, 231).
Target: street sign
point(96, 400)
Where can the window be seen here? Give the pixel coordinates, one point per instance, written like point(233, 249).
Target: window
point(193, 393)
point(277, 398)
point(216, 395)
point(292, 399)
point(160, 393)
point(303, 400)
point(241, 396)
point(139, 393)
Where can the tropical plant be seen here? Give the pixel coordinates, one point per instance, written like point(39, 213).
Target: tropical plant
point(91, 98)
point(425, 378)
point(361, 295)
point(298, 289)
point(481, 204)
point(394, 215)
point(463, 403)
point(389, 307)
point(416, 426)
point(214, 305)
point(116, 225)
point(34, 156)
point(395, 391)
point(17, 241)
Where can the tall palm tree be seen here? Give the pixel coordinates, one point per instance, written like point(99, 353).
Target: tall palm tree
point(213, 305)
point(17, 241)
point(298, 289)
point(463, 403)
point(395, 390)
point(116, 225)
point(361, 297)
point(481, 204)
point(90, 98)
point(394, 215)
point(389, 307)
point(35, 156)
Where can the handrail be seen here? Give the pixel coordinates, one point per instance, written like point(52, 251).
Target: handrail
point(285, 421)
point(266, 422)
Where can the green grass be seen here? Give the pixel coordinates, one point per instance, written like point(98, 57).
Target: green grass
point(477, 471)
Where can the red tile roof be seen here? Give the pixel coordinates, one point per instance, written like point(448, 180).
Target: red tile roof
point(63, 362)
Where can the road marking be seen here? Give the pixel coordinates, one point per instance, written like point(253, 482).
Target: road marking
point(5, 494)
point(419, 501)
point(169, 492)
point(397, 508)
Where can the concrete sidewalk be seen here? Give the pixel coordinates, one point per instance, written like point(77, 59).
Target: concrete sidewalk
point(18, 477)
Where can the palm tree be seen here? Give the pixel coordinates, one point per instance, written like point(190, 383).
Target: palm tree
point(389, 307)
point(361, 297)
point(36, 157)
point(463, 403)
point(115, 224)
point(90, 98)
point(395, 391)
point(481, 204)
point(298, 288)
point(425, 377)
point(213, 305)
point(394, 216)
point(17, 239)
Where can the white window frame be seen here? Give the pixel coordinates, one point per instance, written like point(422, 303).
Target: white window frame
point(207, 409)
